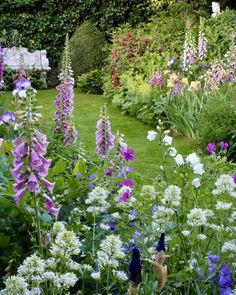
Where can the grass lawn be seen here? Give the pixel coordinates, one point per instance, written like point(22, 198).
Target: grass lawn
point(87, 107)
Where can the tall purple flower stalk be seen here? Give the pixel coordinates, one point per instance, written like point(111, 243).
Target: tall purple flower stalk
point(1, 67)
point(189, 53)
point(64, 101)
point(202, 42)
point(104, 137)
point(224, 280)
point(30, 167)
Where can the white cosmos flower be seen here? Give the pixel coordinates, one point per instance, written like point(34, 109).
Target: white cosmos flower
point(179, 160)
point(167, 140)
point(196, 182)
point(151, 135)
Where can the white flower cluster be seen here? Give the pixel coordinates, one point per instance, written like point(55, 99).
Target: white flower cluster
point(223, 206)
point(111, 252)
point(120, 275)
point(229, 246)
point(172, 196)
point(35, 271)
point(198, 216)
point(225, 184)
point(161, 217)
point(97, 199)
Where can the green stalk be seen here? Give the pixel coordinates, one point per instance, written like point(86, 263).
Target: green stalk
point(38, 228)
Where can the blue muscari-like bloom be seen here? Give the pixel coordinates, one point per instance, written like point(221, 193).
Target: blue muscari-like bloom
point(93, 175)
point(135, 266)
point(161, 243)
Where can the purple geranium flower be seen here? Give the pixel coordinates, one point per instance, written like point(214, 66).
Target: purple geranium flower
point(211, 148)
point(127, 182)
point(224, 145)
point(127, 154)
point(125, 196)
point(109, 172)
point(234, 178)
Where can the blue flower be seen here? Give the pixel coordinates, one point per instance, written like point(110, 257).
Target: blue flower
point(135, 266)
point(161, 243)
point(213, 258)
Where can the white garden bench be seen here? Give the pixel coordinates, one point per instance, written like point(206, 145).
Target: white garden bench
point(37, 60)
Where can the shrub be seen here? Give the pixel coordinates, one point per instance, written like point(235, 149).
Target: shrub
point(86, 46)
point(91, 82)
point(218, 117)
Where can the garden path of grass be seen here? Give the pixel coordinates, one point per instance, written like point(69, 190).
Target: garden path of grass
point(87, 108)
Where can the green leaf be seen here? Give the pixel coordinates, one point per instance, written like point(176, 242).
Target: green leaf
point(58, 168)
point(4, 241)
point(80, 167)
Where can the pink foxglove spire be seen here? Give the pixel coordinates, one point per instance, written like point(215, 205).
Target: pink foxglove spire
point(202, 42)
point(104, 137)
point(64, 101)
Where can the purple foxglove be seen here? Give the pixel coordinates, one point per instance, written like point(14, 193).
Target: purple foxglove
point(48, 185)
point(32, 184)
point(19, 195)
point(17, 170)
point(35, 160)
point(51, 208)
point(104, 137)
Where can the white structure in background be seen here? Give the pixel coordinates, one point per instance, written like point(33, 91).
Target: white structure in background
point(215, 9)
point(37, 60)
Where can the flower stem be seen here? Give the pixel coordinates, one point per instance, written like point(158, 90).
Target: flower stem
point(38, 228)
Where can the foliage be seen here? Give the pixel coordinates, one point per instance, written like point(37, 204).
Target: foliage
point(91, 82)
point(217, 120)
point(87, 49)
point(34, 75)
point(155, 69)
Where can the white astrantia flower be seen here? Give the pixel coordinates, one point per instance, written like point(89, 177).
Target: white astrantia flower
point(167, 140)
point(172, 152)
point(86, 267)
point(223, 206)
point(216, 227)
point(198, 169)
point(198, 216)
point(201, 237)
point(172, 196)
point(15, 285)
point(161, 217)
point(196, 182)
point(97, 201)
point(179, 160)
point(120, 275)
point(186, 233)
point(96, 275)
point(229, 246)
point(151, 135)
point(225, 184)
point(110, 252)
point(193, 159)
